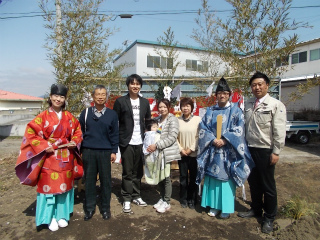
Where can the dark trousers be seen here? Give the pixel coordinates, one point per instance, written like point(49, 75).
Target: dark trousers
point(132, 171)
point(262, 183)
point(188, 174)
point(94, 162)
point(165, 188)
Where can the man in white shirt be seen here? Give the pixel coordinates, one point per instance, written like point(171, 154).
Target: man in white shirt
point(132, 111)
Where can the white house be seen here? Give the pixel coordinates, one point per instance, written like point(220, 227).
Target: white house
point(16, 110)
point(304, 63)
point(143, 59)
point(15, 101)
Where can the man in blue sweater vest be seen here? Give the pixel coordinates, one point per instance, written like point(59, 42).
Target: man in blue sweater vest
point(99, 125)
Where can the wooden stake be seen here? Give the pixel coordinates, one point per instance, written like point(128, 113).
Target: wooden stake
point(219, 126)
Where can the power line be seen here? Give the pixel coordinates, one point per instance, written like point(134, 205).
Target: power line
point(135, 13)
point(27, 16)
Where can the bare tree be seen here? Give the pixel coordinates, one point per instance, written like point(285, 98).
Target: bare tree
point(165, 63)
point(79, 50)
point(253, 38)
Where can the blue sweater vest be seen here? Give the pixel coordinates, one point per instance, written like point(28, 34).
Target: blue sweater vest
point(101, 133)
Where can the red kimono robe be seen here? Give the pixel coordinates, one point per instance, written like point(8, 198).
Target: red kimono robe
point(54, 173)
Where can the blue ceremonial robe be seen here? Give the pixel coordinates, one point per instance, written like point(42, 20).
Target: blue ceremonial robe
point(232, 161)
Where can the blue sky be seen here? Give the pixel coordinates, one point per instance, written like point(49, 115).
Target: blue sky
point(24, 67)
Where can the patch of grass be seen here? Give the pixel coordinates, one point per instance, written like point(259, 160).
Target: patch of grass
point(296, 208)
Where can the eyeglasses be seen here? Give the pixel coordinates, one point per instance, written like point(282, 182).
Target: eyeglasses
point(100, 94)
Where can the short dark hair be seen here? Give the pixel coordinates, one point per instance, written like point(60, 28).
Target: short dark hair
point(259, 75)
point(149, 122)
point(187, 101)
point(98, 87)
point(166, 102)
point(133, 77)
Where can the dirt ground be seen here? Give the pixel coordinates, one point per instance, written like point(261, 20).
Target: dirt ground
point(296, 174)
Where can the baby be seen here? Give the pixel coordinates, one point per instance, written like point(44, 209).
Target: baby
point(151, 136)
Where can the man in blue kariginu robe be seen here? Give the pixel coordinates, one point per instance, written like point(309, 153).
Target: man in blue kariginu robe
point(224, 163)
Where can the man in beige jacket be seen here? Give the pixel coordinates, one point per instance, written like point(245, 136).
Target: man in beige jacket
point(265, 119)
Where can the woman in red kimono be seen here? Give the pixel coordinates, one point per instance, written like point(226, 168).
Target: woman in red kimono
point(49, 159)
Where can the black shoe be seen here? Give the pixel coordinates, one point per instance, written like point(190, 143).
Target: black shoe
point(88, 215)
point(267, 226)
point(225, 215)
point(106, 215)
point(191, 206)
point(183, 205)
point(248, 214)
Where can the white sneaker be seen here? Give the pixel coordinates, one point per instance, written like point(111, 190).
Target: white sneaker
point(62, 223)
point(126, 208)
point(158, 203)
point(164, 207)
point(53, 226)
point(213, 212)
point(140, 202)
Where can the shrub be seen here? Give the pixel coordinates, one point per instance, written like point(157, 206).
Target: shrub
point(296, 208)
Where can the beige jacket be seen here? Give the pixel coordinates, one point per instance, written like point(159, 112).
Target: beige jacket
point(266, 125)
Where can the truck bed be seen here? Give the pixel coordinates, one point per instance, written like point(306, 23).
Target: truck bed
point(302, 125)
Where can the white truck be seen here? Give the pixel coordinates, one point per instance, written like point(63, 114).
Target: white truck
point(301, 130)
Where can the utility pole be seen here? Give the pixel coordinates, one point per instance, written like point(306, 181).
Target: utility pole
point(59, 39)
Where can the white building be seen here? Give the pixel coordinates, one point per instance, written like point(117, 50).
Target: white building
point(14, 101)
point(304, 63)
point(144, 59)
point(16, 110)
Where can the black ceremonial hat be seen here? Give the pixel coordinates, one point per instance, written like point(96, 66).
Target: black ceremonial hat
point(223, 86)
point(59, 89)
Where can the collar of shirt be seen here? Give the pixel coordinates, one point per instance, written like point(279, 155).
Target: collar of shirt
point(59, 114)
point(227, 105)
point(263, 98)
point(98, 113)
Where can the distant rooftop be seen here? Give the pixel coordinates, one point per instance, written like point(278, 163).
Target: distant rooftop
point(6, 95)
point(157, 44)
point(308, 42)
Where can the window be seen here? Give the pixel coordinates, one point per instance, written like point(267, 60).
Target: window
point(203, 66)
point(299, 57)
point(283, 61)
point(159, 62)
point(314, 54)
point(196, 65)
